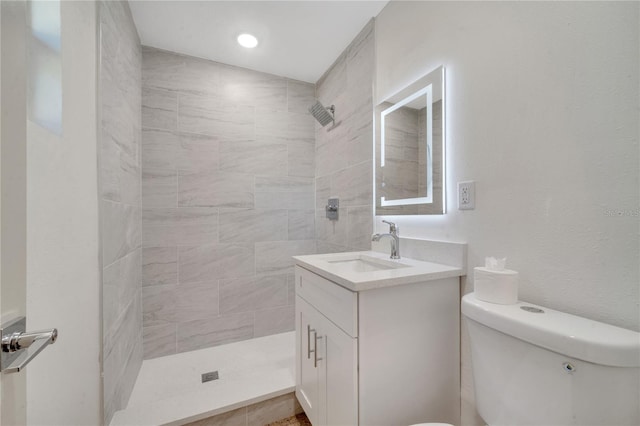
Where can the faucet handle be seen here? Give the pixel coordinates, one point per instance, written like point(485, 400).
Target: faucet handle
point(392, 226)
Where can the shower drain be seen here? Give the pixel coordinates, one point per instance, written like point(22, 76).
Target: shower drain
point(207, 377)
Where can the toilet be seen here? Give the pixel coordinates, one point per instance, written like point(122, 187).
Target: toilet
point(536, 366)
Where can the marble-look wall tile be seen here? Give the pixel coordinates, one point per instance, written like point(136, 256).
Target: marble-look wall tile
point(122, 353)
point(251, 225)
point(120, 282)
point(344, 152)
point(359, 227)
point(301, 158)
point(360, 57)
point(120, 173)
point(228, 165)
point(323, 191)
point(253, 293)
point(215, 261)
point(293, 193)
point(301, 224)
point(333, 82)
point(300, 127)
point(331, 146)
point(163, 70)
point(284, 184)
point(255, 157)
point(119, 392)
point(159, 340)
point(215, 189)
point(159, 109)
point(120, 116)
point(275, 257)
point(332, 231)
point(205, 333)
point(170, 304)
point(211, 116)
point(300, 96)
point(284, 200)
point(325, 247)
point(179, 226)
point(120, 167)
point(121, 223)
point(247, 87)
point(172, 150)
point(159, 188)
point(159, 265)
point(276, 320)
point(355, 184)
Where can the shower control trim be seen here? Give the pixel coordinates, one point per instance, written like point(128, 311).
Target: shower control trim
point(332, 208)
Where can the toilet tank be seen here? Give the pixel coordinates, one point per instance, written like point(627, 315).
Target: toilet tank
point(537, 366)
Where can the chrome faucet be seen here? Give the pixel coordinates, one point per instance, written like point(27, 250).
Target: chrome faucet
point(395, 240)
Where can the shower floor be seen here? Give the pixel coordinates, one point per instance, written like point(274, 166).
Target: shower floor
point(169, 390)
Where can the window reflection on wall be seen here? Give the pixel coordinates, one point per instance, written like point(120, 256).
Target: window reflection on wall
point(44, 65)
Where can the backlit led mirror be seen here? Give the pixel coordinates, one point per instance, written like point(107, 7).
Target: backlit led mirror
point(410, 142)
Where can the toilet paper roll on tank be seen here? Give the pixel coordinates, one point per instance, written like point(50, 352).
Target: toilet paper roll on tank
point(495, 284)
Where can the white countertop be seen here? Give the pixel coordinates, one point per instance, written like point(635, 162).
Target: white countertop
point(409, 271)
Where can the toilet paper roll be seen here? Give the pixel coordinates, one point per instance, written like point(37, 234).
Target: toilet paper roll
point(496, 286)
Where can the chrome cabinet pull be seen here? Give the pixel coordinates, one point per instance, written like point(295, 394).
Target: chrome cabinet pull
point(309, 330)
point(315, 349)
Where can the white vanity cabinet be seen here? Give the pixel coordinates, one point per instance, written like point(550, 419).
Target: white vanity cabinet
point(381, 356)
point(326, 354)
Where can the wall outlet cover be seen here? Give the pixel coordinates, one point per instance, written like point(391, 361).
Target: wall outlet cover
point(467, 195)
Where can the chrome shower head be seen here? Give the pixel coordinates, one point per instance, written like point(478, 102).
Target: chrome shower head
point(323, 114)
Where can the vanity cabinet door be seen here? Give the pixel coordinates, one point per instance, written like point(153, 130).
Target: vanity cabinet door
point(307, 373)
point(339, 376)
point(326, 369)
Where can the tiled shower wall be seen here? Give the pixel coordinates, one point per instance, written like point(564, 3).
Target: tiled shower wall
point(344, 152)
point(120, 179)
point(228, 197)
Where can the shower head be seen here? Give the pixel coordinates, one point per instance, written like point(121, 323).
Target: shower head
point(323, 114)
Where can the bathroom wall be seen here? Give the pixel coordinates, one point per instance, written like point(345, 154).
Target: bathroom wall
point(228, 198)
point(121, 196)
point(344, 153)
point(63, 245)
point(542, 113)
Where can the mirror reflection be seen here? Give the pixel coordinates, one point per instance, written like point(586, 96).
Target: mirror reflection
point(409, 149)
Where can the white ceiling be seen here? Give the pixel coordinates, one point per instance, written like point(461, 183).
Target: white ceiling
point(297, 39)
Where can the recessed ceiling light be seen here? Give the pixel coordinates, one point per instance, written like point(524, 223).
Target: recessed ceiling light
point(247, 40)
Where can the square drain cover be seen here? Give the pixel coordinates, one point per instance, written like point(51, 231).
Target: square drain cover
point(207, 377)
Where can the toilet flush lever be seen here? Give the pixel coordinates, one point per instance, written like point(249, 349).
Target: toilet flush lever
point(20, 347)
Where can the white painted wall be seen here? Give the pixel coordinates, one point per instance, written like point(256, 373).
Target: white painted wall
point(542, 112)
point(13, 195)
point(63, 267)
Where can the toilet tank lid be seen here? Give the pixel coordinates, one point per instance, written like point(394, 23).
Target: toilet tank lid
point(560, 332)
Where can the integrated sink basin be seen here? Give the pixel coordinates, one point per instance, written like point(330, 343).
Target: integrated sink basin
point(364, 263)
point(367, 270)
